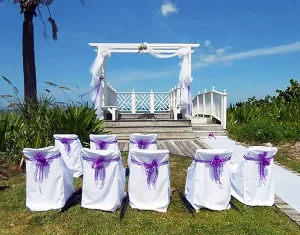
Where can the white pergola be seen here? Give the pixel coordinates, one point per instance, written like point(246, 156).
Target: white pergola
point(158, 50)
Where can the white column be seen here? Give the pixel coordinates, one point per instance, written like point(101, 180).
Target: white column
point(204, 103)
point(212, 101)
point(170, 100)
point(224, 110)
point(198, 104)
point(133, 108)
point(151, 101)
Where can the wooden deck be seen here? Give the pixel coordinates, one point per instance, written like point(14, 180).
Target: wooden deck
point(178, 147)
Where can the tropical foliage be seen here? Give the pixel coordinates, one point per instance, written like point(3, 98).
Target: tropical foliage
point(273, 119)
point(32, 124)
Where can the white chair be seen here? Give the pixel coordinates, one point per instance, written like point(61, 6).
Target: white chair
point(141, 141)
point(252, 179)
point(104, 142)
point(49, 182)
point(103, 179)
point(70, 146)
point(208, 179)
point(149, 180)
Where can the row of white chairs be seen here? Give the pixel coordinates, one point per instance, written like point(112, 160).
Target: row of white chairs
point(211, 178)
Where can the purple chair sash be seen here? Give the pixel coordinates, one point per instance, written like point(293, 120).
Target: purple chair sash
point(101, 145)
point(217, 163)
point(263, 162)
point(97, 164)
point(151, 168)
point(66, 142)
point(143, 144)
point(40, 162)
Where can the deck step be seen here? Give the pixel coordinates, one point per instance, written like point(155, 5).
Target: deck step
point(145, 116)
point(207, 127)
point(147, 123)
point(161, 136)
point(206, 133)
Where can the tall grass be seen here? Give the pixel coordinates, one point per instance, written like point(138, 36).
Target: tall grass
point(32, 124)
point(274, 119)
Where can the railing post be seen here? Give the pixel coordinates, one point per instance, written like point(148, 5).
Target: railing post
point(170, 100)
point(172, 97)
point(178, 94)
point(133, 108)
point(224, 110)
point(151, 101)
point(212, 101)
point(175, 94)
point(198, 103)
point(204, 103)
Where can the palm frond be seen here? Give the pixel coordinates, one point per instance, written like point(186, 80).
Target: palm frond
point(54, 28)
point(51, 84)
point(7, 80)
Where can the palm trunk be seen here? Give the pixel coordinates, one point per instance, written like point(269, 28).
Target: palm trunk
point(30, 90)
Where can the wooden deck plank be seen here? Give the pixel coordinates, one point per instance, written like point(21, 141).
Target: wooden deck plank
point(188, 148)
point(121, 146)
point(126, 146)
point(178, 150)
point(159, 145)
point(191, 147)
point(183, 148)
point(163, 145)
point(195, 144)
point(170, 147)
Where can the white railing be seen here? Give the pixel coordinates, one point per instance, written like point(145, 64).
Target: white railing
point(147, 102)
point(109, 95)
point(175, 97)
point(211, 103)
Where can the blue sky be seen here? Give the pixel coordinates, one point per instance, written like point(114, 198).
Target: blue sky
point(249, 48)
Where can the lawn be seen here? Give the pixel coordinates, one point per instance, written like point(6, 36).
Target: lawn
point(17, 219)
point(289, 156)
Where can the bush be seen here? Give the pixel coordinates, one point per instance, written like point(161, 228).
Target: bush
point(273, 119)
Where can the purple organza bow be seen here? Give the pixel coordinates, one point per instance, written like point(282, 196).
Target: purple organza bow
point(211, 135)
point(101, 145)
point(217, 163)
point(143, 144)
point(263, 162)
point(40, 162)
point(151, 169)
point(97, 164)
point(66, 142)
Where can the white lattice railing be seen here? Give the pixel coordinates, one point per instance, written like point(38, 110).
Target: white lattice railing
point(137, 102)
point(211, 103)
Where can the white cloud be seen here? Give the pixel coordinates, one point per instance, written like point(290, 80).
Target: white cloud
point(207, 43)
point(168, 8)
point(220, 51)
point(227, 59)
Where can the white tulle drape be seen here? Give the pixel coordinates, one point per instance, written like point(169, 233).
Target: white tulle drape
point(185, 78)
point(98, 74)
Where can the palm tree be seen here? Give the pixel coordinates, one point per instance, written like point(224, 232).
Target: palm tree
point(30, 8)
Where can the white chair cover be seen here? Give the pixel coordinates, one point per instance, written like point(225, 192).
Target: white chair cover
point(70, 146)
point(142, 141)
point(208, 179)
point(103, 179)
point(104, 142)
point(149, 180)
point(251, 181)
point(49, 182)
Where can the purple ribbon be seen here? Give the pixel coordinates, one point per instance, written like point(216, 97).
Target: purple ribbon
point(66, 142)
point(217, 163)
point(151, 169)
point(263, 162)
point(101, 145)
point(143, 144)
point(98, 87)
point(189, 101)
point(211, 135)
point(97, 164)
point(40, 162)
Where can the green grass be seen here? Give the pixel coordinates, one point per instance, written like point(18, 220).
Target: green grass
point(17, 219)
point(288, 158)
